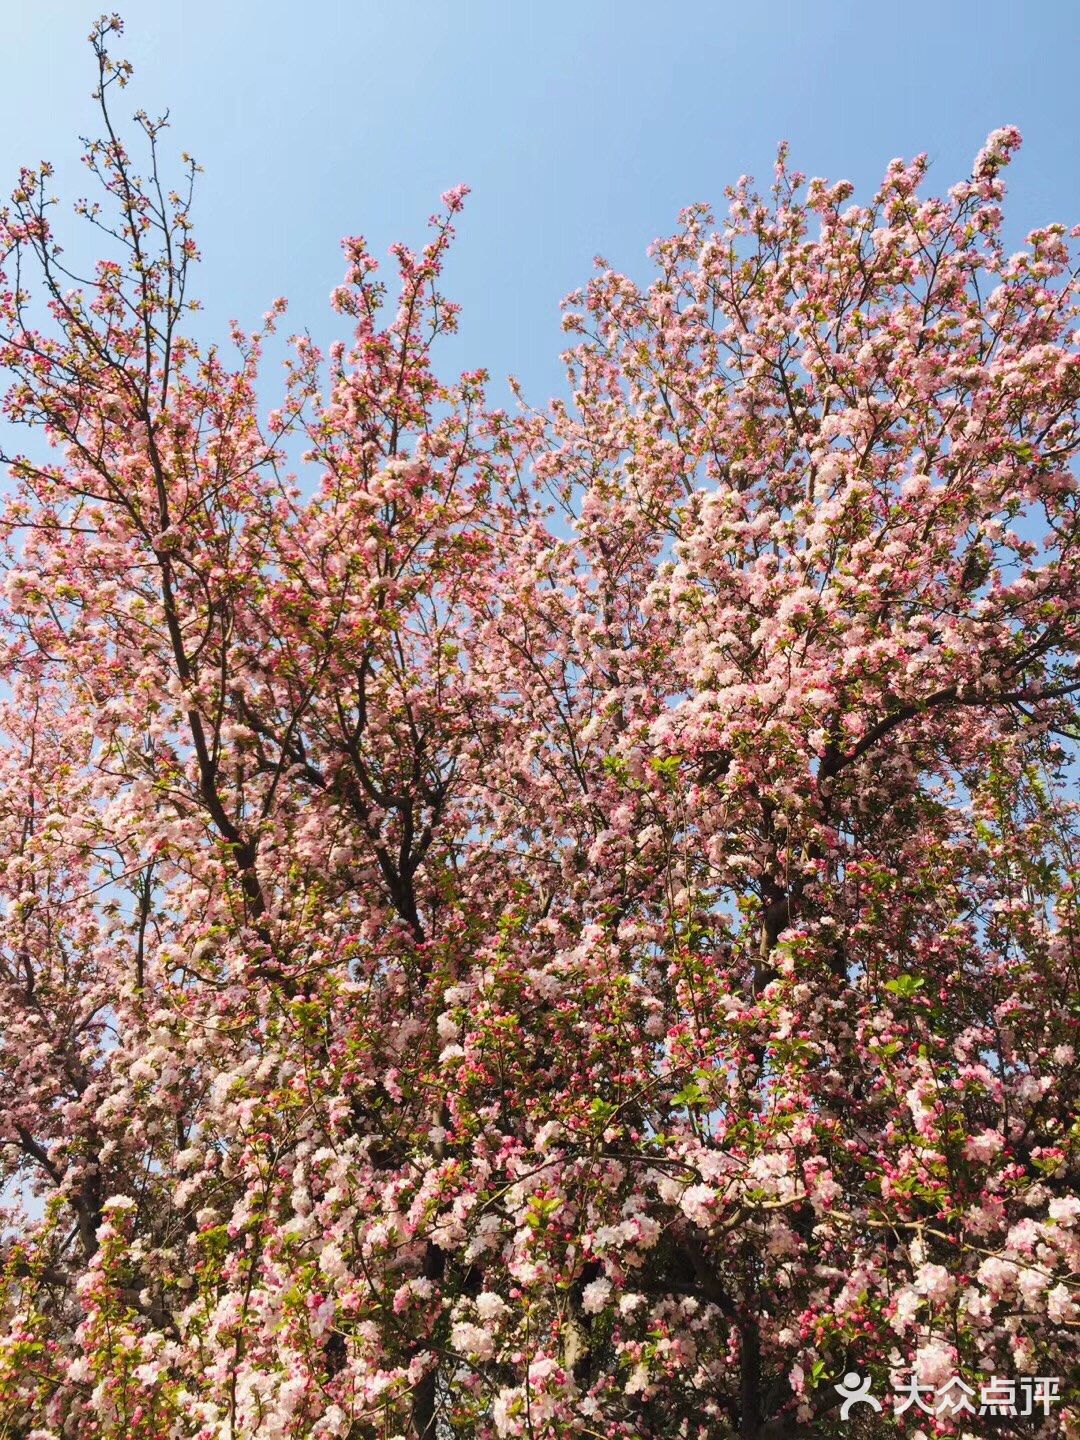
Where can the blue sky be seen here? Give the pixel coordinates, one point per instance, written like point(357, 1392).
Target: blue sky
point(581, 127)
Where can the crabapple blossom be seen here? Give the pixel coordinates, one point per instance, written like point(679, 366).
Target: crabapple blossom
point(540, 922)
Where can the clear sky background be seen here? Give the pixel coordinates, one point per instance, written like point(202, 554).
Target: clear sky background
point(582, 127)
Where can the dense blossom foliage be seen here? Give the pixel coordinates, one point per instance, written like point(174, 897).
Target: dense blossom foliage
point(559, 923)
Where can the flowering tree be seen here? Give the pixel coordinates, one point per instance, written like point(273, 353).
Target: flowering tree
point(553, 924)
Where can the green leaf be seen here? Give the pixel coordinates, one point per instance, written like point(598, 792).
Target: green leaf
point(905, 986)
point(690, 1094)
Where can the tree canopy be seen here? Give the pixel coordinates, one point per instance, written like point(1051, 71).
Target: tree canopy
point(540, 922)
